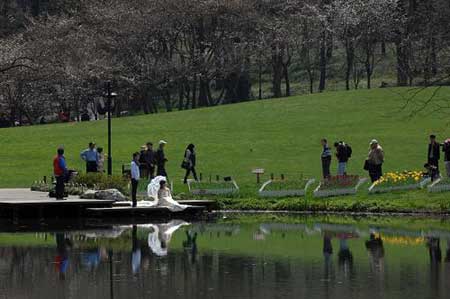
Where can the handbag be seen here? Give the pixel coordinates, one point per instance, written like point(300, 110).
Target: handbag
point(366, 165)
point(185, 165)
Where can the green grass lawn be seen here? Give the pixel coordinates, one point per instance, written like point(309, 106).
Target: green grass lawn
point(280, 135)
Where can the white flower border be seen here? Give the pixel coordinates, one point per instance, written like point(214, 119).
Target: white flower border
point(437, 187)
point(218, 191)
point(284, 193)
point(373, 189)
point(337, 192)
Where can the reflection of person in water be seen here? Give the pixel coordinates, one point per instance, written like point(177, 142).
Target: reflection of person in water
point(345, 256)
point(62, 258)
point(190, 244)
point(447, 253)
point(375, 249)
point(434, 249)
point(136, 252)
point(327, 253)
point(159, 238)
point(327, 247)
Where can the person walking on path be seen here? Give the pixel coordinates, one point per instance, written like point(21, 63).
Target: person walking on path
point(343, 153)
point(100, 160)
point(434, 152)
point(326, 158)
point(135, 176)
point(446, 150)
point(60, 172)
point(375, 160)
point(90, 156)
point(189, 162)
point(161, 159)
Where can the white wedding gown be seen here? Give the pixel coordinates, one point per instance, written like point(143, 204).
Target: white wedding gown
point(163, 197)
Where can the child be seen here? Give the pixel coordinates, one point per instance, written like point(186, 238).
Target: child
point(135, 176)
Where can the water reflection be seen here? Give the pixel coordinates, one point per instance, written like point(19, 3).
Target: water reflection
point(63, 246)
point(177, 259)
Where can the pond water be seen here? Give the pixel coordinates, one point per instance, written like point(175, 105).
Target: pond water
point(237, 256)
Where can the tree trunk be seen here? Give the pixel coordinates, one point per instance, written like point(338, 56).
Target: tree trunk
point(260, 81)
point(168, 101)
point(368, 70)
point(203, 93)
point(323, 62)
point(350, 53)
point(402, 64)
point(277, 71)
point(286, 79)
point(194, 93)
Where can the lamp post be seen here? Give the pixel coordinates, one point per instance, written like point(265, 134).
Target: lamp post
point(110, 95)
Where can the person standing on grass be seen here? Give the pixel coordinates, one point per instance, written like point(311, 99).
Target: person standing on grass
point(149, 160)
point(434, 152)
point(142, 165)
point(101, 160)
point(135, 176)
point(326, 158)
point(90, 156)
point(343, 153)
point(161, 159)
point(375, 160)
point(60, 172)
point(446, 150)
point(189, 162)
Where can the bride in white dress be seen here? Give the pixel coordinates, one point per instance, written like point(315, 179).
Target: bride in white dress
point(161, 195)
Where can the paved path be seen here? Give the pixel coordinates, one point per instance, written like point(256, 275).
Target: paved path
point(26, 195)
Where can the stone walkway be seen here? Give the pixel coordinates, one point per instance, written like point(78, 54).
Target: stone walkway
point(24, 194)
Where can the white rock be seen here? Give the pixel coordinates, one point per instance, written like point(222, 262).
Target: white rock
point(109, 194)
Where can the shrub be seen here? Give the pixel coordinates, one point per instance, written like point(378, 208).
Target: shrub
point(101, 181)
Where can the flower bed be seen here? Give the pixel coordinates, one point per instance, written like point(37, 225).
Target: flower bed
point(339, 185)
point(440, 185)
point(213, 188)
point(396, 181)
point(285, 188)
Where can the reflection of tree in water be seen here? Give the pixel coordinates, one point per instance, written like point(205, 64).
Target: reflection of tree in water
point(375, 250)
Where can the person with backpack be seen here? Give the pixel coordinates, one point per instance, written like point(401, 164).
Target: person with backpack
point(189, 162)
point(375, 160)
point(343, 154)
point(446, 150)
point(326, 158)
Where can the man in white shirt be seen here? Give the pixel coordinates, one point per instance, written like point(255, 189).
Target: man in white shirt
point(135, 176)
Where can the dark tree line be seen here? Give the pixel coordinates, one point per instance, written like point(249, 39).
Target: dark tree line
point(179, 54)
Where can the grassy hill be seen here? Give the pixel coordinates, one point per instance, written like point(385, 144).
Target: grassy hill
point(280, 135)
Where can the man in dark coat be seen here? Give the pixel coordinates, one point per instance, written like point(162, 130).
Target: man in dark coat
point(434, 153)
point(149, 159)
point(161, 159)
